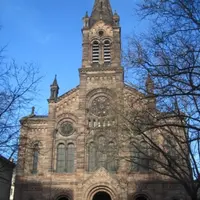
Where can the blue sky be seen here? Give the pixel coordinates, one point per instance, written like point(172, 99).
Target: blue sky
point(48, 33)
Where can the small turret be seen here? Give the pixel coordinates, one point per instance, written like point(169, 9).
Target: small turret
point(116, 19)
point(150, 93)
point(86, 21)
point(54, 90)
point(149, 85)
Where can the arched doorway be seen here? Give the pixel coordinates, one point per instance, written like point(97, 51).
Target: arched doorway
point(62, 198)
point(141, 198)
point(101, 196)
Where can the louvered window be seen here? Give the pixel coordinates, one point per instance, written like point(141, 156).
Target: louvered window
point(107, 52)
point(95, 52)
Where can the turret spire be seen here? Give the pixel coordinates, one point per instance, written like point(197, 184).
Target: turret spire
point(54, 90)
point(149, 85)
point(150, 92)
point(101, 11)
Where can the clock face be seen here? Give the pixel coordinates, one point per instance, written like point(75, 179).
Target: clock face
point(66, 129)
point(100, 106)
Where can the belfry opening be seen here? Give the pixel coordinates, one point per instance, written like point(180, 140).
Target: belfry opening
point(101, 196)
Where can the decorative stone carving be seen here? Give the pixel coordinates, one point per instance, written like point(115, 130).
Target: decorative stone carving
point(100, 106)
point(94, 32)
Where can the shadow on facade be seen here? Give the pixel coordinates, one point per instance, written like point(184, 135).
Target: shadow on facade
point(31, 190)
point(144, 190)
point(157, 189)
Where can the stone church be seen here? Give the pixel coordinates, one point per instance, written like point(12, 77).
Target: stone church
point(67, 155)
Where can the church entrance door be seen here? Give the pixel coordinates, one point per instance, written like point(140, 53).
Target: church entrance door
point(62, 198)
point(101, 196)
point(141, 198)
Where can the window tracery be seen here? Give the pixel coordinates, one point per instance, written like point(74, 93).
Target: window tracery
point(100, 106)
point(102, 153)
point(66, 128)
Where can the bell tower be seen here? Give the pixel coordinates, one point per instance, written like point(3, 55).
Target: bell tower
point(101, 37)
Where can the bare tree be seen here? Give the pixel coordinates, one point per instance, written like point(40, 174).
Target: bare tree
point(169, 126)
point(17, 89)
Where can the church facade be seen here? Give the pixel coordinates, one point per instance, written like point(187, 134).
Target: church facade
point(73, 154)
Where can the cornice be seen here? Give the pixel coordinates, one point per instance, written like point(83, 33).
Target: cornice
point(68, 93)
point(132, 89)
point(101, 69)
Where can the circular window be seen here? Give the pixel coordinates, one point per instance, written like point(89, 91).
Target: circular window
point(100, 106)
point(101, 33)
point(66, 129)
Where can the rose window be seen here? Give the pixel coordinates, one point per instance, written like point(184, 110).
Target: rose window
point(100, 106)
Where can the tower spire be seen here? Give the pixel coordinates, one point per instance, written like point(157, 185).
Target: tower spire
point(101, 11)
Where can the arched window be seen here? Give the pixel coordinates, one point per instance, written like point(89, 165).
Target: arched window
point(141, 197)
point(143, 156)
point(101, 152)
point(107, 52)
point(63, 198)
point(139, 158)
point(111, 157)
point(169, 146)
point(35, 158)
point(70, 158)
point(134, 159)
point(61, 158)
point(92, 157)
point(95, 52)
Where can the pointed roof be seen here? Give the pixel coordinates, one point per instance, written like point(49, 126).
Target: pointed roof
point(149, 84)
point(101, 11)
point(55, 83)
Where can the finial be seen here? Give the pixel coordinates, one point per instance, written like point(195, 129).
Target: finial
point(55, 81)
point(86, 14)
point(33, 111)
point(149, 84)
point(176, 107)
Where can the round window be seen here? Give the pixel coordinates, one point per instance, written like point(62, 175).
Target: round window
point(66, 129)
point(101, 33)
point(100, 106)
